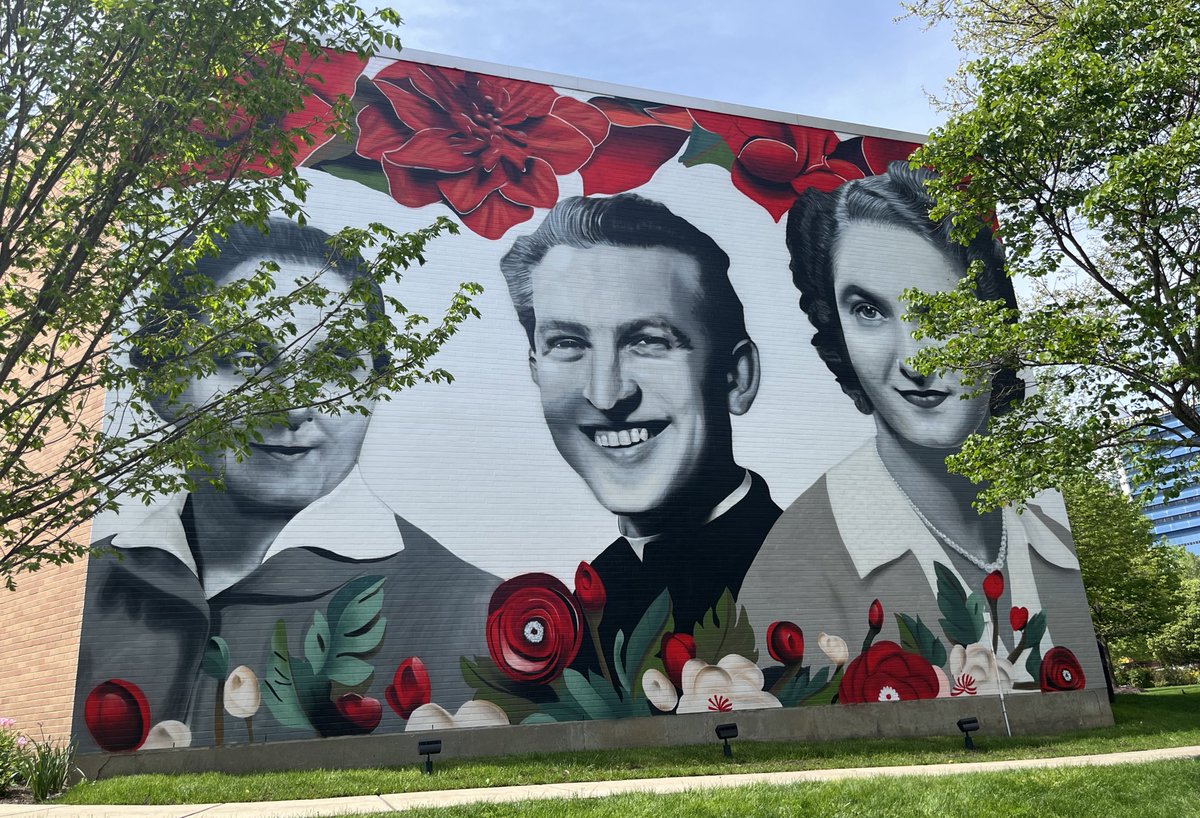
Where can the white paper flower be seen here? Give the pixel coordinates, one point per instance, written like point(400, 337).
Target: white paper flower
point(975, 671)
point(834, 647)
point(242, 696)
point(472, 714)
point(734, 683)
point(167, 734)
point(659, 690)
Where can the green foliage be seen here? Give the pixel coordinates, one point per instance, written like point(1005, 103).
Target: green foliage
point(114, 115)
point(215, 661)
point(1179, 640)
point(12, 758)
point(47, 767)
point(725, 630)
point(804, 685)
point(1084, 140)
point(1132, 581)
point(915, 636)
point(962, 615)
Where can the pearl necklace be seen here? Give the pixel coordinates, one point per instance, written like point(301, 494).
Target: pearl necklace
point(986, 567)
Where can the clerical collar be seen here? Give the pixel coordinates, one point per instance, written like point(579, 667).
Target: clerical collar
point(638, 544)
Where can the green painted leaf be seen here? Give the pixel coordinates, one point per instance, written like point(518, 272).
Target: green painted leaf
point(355, 629)
point(316, 642)
point(355, 604)
point(362, 642)
point(349, 671)
point(491, 685)
point(916, 636)
point(1035, 629)
point(278, 687)
point(725, 630)
point(539, 718)
point(706, 148)
point(828, 693)
point(216, 658)
point(355, 171)
point(803, 686)
point(647, 636)
point(587, 697)
point(962, 616)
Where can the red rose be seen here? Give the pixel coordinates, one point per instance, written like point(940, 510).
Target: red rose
point(1060, 671)
point(677, 650)
point(1018, 618)
point(117, 715)
point(641, 138)
point(489, 147)
point(993, 586)
point(533, 628)
point(361, 711)
point(589, 588)
point(785, 642)
point(887, 672)
point(875, 616)
point(410, 687)
point(774, 162)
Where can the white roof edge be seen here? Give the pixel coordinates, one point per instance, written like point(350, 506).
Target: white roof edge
point(612, 89)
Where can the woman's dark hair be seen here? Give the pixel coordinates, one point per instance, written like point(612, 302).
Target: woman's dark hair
point(281, 240)
point(895, 199)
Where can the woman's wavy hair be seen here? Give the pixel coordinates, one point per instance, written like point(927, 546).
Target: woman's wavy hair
point(895, 199)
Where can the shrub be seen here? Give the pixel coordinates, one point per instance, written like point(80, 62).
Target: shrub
point(1180, 676)
point(11, 755)
point(48, 767)
point(1138, 676)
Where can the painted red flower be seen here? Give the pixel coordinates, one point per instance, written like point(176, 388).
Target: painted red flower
point(410, 687)
point(887, 672)
point(774, 163)
point(117, 715)
point(327, 76)
point(876, 153)
point(533, 628)
point(677, 650)
point(589, 588)
point(785, 642)
point(875, 616)
point(993, 586)
point(489, 147)
point(1060, 671)
point(361, 711)
point(642, 137)
point(1018, 618)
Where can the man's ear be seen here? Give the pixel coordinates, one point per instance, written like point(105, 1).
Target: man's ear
point(743, 377)
point(533, 366)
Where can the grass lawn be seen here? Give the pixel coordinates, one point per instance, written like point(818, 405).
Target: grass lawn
point(1168, 788)
point(1173, 691)
point(1142, 722)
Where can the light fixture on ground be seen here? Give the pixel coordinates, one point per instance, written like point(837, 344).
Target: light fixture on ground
point(725, 732)
point(968, 726)
point(429, 749)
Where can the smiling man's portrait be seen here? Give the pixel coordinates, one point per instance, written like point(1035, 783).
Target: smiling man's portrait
point(287, 574)
point(638, 346)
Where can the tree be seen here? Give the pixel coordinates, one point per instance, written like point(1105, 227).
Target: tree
point(1132, 581)
point(1086, 143)
point(135, 133)
point(1178, 643)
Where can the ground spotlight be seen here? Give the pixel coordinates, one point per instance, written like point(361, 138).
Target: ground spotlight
point(968, 726)
point(725, 732)
point(429, 749)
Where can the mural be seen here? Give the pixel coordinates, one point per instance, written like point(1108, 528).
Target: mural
point(642, 495)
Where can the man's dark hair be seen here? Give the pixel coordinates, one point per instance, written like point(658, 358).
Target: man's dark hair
point(626, 220)
point(281, 240)
point(895, 199)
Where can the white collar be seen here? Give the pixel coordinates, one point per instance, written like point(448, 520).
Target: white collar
point(638, 544)
point(877, 525)
point(321, 525)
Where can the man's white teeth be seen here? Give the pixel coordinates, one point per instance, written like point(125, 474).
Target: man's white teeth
point(625, 437)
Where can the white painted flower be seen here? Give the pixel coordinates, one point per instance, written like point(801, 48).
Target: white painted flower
point(168, 734)
point(734, 683)
point(834, 647)
point(242, 696)
point(975, 671)
point(472, 714)
point(659, 690)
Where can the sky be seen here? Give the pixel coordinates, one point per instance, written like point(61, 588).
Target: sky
point(849, 61)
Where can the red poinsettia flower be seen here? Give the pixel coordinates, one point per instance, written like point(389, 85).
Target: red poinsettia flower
point(1060, 671)
point(589, 588)
point(489, 147)
point(774, 162)
point(677, 650)
point(785, 642)
point(410, 687)
point(533, 628)
point(887, 672)
point(328, 75)
point(361, 711)
point(641, 139)
point(117, 715)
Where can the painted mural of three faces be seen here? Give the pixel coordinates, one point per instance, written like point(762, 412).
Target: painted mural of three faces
point(640, 352)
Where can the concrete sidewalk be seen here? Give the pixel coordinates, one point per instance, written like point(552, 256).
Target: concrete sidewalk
point(369, 804)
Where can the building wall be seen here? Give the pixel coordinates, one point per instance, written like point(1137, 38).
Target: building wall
point(652, 496)
point(1177, 519)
